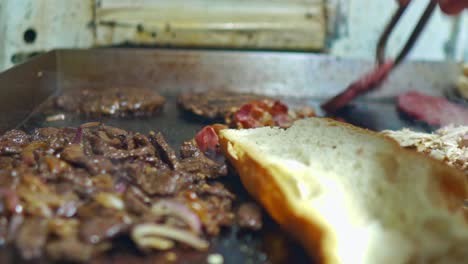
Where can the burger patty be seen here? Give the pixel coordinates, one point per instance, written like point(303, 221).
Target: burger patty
point(215, 104)
point(119, 102)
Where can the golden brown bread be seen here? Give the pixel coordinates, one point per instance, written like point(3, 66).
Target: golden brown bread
point(344, 192)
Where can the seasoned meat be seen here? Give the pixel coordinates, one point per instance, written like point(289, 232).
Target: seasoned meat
point(214, 104)
point(215, 189)
point(249, 216)
point(98, 165)
point(117, 102)
point(12, 142)
point(197, 163)
point(16, 137)
point(95, 165)
point(74, 153)
point(68, 193)
point(136, 201)
point(216, 214)
point(212, 203)
point(32, 238)
point(189, 149)
point(165, 151)
point(81, 181)
point(55, 138)
point(203, 167)
point(432, 110)
point(108, 151)
point(114, 132)
point(162, 181)
point(97, 229)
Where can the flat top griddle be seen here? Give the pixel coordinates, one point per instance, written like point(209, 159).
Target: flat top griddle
point(296, 78)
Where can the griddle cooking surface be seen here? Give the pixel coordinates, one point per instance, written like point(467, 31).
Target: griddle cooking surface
point(270, 245)
point(178, 126)
point(297, 78)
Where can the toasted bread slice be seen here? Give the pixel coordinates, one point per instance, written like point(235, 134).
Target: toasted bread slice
point(350, 195)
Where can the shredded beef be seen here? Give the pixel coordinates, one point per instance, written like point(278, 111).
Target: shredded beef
point(97, 229)
point(161, 181)
point(196, 162)
point(68, 193)
point(165, 151)
point(136, 201)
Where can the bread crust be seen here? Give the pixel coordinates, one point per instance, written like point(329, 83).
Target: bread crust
point(268, 192)
point(450, 187)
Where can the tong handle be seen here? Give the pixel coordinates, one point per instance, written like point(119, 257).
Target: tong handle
point(382, 44)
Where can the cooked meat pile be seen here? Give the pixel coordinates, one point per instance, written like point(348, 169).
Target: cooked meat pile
point(67, 193)
point(449, 144)
point(119, 102)
point(214, 104)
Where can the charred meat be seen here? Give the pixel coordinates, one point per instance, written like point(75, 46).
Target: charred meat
point(214, 104)
point(68, 193)
point(118, 102)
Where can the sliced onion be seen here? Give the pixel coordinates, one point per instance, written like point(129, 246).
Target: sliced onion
point(63, 227)
point(110, 200)
point(78, 136)
point(179, 235)
point(179, 210)
point(154, 243)
point(15, 222)
point(90, 124)
point(79, 132)
point(120, 186)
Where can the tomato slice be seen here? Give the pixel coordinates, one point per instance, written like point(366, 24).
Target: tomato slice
point(207, 138)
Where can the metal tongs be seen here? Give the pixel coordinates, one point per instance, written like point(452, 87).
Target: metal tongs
point(384, 66)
